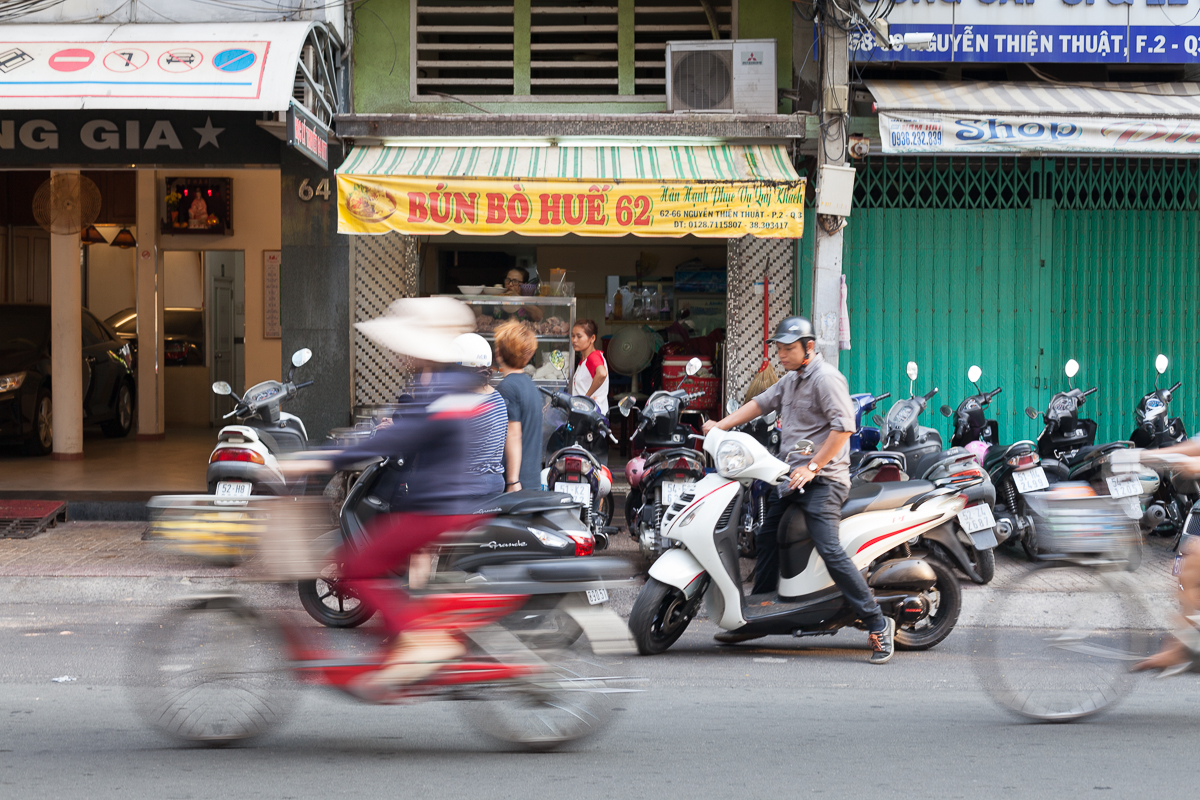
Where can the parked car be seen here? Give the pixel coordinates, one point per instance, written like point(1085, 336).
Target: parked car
point(183, 334)
point(26, 413)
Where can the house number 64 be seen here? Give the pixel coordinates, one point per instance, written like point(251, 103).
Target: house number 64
point(306, 192)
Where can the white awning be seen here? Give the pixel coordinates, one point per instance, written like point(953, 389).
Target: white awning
point(217, 66)
point(1112, 99)
point(998, 117)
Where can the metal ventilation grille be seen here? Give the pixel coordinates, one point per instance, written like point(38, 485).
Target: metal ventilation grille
point(462, 48)
point(575, 49)
point(727, 514)
point(702, 80)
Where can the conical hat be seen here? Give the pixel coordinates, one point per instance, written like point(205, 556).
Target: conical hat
point(421, 327)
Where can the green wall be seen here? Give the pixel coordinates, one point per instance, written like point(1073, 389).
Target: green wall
point(381, 62)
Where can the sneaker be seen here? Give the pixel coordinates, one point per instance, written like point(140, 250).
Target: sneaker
point(733, 637)
point(883, 642)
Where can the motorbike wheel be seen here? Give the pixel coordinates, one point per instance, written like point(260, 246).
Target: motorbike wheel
point(984, 562)
point(212, 672)
point(945, 604)
point(605, 510)
point(660, 616)
point(561, 706)
point(331, 605)
point(1068, 664)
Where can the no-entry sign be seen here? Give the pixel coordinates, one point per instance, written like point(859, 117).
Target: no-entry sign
point(71, 60)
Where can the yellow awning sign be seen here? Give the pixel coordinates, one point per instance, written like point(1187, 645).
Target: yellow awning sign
point(423, 206)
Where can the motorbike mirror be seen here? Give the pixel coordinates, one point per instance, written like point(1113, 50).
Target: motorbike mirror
point(911, 371)
point(731, 405)
point(627, 403)
point(1031, 412)
point(1160, 363)
point(1071, 368)
point(947, 411)
point(974, 374)
point(878, 420)
point(692, 367)
point(221, 387)
point(301, 357)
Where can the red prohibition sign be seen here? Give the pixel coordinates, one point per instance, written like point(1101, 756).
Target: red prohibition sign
point(71, 60)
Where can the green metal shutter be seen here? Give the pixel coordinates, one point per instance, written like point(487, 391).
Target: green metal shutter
point(1017, 265)
point(1125, 242)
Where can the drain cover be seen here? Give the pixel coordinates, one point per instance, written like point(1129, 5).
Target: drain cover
point(21, 519)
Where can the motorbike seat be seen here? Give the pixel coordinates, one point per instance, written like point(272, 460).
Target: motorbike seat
point(1095, 451)
point(881, 496)
point(526, 501)
point(559, 570)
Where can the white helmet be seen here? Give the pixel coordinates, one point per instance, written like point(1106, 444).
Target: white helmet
point(473, 351)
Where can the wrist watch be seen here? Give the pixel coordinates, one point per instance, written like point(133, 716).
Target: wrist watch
point(813, 468)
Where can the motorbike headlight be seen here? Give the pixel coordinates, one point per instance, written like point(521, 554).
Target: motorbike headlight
point(732, 458)
point(12, 381)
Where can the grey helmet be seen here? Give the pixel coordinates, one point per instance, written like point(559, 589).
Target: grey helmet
point(793, 329)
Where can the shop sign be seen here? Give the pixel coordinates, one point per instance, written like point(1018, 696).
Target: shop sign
point(965, 133)
point(308, 134)
point(431, 206)
point(136, 71)
point(1059, 31)
point(47, 138)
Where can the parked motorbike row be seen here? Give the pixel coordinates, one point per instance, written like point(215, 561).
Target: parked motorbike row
point(1065, 451)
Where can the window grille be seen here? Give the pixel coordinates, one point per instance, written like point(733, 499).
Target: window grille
point(564, 49)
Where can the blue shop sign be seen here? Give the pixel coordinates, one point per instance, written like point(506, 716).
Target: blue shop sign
point(1081, 31)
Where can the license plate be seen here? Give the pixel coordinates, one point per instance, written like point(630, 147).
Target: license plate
point(580, 492)
point(233, 489)
point(597, 596)
point(1124, 486)
point(673, 490)
point(1030, 480)
point(976, 518)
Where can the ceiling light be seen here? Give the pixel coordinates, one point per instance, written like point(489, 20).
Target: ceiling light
point(92, 235)
point(124, 240)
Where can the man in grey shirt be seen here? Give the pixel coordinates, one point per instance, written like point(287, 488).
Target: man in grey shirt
point(813, 402)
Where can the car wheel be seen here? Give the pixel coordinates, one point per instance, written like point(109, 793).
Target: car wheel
point(41, 442)
point(122, 423)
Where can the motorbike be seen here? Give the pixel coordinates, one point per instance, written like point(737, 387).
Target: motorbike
point(1176, 495)
point(245, 460)
point(529, 524)
point(865, 438)
point(1068, 452)
point(670, 470)
point(914, 450)
point(218, 669)
point(885, 530)
point(576, 461)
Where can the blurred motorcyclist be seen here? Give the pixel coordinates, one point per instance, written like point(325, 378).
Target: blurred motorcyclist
point(1183, 649)
point(433, 437)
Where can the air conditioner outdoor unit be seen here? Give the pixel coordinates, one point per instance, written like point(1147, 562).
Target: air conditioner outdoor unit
point(733, 76)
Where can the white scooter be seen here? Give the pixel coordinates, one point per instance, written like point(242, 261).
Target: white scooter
point(244, 461)
point(882, 529)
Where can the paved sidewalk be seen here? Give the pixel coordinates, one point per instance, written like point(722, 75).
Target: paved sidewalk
point(95, 550)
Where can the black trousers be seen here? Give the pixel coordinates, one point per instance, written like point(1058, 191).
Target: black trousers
point(821, 504)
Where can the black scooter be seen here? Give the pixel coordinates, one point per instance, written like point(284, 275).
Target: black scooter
point(525, 525)
point(1156, 429)
point(916, 451)
point(577, 458)
point(671, 469)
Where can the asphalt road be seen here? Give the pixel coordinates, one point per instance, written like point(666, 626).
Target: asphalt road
point(786, 718)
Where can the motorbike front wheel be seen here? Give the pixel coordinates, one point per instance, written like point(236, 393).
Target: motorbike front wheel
point(660, 616)
point(330, 604)
point(945, 601)
point(984, 562)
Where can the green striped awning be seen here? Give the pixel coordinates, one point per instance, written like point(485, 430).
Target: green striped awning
point(728, 162)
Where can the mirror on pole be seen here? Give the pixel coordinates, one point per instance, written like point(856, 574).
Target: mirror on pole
point(1031, 412)
point(947, 411)
point(1160, 364)
point(222, 388)
point(911, 371)
point(626, 404)
point(1071, 368)
point(692, 366)
point(974, 374)
point(301, 357)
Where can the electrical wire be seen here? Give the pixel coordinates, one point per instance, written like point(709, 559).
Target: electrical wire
point(1106, 88)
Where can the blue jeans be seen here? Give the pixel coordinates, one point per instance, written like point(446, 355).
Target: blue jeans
point(821, 505)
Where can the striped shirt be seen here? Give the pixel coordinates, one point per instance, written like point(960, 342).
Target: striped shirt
point(488, 430)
